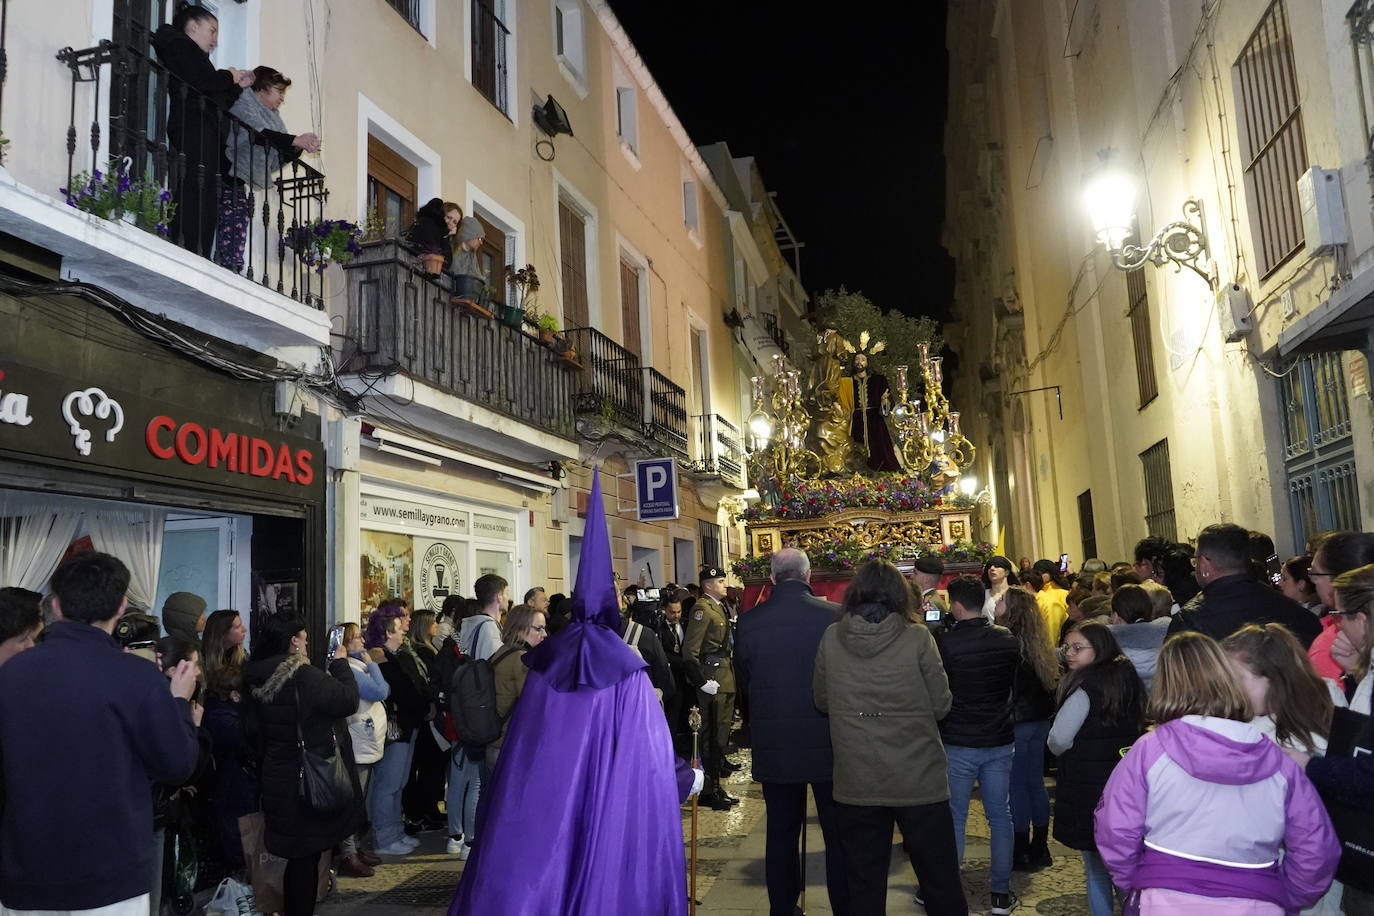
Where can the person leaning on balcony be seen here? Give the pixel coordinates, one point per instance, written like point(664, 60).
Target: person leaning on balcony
point(469, 239)
point(255, 156)
point(200, 95)
point(436, 225)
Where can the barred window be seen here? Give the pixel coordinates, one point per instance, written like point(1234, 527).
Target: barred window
point(1159, 491)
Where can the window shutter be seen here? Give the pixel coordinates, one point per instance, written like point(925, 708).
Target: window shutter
point(572, 238)
point(629, 306)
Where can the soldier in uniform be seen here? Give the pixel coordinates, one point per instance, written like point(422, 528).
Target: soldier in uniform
point(932, 606)
point(706, 650)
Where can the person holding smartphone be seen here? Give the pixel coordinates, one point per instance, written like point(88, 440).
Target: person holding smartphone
point(931, 605)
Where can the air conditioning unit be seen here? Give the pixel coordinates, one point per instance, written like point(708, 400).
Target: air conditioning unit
point(1323, 210)
point(1233, 312)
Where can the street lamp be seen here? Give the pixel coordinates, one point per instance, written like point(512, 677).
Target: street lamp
point(968, 485)
point(1110, 194)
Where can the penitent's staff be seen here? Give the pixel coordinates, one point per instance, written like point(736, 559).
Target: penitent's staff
point(694, 723)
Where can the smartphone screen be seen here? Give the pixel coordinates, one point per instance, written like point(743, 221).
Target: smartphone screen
point(933, 614)
point(1063, 562)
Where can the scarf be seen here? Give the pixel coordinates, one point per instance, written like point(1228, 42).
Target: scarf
point(251, 161)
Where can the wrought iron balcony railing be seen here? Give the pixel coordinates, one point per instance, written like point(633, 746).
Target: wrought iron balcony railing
point(611, 385)
point(666, 419)
point(400, 319)
point(775, 331)
point(161, 131)
point(720, 450)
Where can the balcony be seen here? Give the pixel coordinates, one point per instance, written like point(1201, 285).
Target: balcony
point(120, 116)
point(468, 378)
point(617, 389)
point(775, 331)
point(720, 449)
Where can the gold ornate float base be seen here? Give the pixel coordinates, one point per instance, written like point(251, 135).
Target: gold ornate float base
point(865, 527)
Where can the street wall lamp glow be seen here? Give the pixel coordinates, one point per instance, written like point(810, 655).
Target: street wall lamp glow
point(1110, 194)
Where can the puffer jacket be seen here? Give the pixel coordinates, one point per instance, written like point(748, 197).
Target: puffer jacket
point(884, 689)
point(293, 829)
point(367, 726)
point(1211, 807)
point(1225, 605)
point(980, 659)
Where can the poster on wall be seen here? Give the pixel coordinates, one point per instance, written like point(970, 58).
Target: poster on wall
point(276, 593)
point(386, 567)
point(439, 572)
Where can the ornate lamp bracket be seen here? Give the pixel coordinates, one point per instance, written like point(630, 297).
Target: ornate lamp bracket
point(1181, 243)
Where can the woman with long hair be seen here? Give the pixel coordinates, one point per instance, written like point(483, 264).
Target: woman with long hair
point(1204, 815)
point(1032, 708)
point(367, 729)
point(1101, 712)
point(998, 576)
point(523, 629)
point(1290, 702)
point(236, 773)
point(880, 680)
point(425, 788)
point(406, 708)
point(294, 704)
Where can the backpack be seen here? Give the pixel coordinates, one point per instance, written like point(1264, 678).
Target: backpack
point(472, 699)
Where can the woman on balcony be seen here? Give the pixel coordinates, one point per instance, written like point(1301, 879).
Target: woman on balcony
point(200, 95)
point(257, 149)
point(433, 229)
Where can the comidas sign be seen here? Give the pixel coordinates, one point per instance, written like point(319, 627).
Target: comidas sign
point(656, 489)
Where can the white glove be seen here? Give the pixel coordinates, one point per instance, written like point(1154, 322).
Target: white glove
point(710, 688)
point(698, 781)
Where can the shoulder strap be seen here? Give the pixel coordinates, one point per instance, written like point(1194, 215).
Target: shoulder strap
point(632, 631)
point(501, 656)
point(300, 735)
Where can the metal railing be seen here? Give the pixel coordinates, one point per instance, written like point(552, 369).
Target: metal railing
point(720, 448)
point(611, 385)
point(490, 38)
point(409, 10)
point(666, 418)
point(775, 331)
point(236, 211)
point(401, 319)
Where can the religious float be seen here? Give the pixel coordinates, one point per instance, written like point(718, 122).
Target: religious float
point(850, 467)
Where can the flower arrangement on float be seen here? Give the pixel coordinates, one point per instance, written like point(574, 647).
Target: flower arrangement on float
point(801, 499)
point(843, 555)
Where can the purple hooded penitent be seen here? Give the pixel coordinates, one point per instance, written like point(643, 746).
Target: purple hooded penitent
point(583, 813)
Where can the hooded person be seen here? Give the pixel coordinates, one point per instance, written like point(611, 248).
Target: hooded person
point(183, 614)
point(604, 843)
point(468, 239)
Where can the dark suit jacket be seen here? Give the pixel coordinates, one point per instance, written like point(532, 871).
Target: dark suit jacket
point(775, 652)
point(1225, 605)
point(672, 647)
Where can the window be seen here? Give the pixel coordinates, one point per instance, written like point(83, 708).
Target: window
point(410, 11)
point(490, 44)
point(710, 543)
point(691, 213)
point(700, 371)
point(492, 257)
point(627, 117)
point(1272, 141)
point(1159, 491)
point(631, 337)
point(572, 244)
point(1086, 525)
point(1318, 448)
point(391, 186)
point(1141, 334)
point(568, 44)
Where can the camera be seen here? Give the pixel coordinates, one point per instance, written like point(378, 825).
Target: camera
point(137, 631)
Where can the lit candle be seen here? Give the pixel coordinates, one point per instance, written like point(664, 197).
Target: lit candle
point(924, 350)
point(777, 364)
point(935, 369)
point(757, 382)
point(901, 379)
point(923, 422)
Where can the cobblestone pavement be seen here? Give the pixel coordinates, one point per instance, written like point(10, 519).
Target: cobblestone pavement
point(730, 846)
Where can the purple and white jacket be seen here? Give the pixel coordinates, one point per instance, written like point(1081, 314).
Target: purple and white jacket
point(1210, 806)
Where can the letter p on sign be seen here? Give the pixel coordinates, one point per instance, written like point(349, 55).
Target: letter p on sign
point(656, 489)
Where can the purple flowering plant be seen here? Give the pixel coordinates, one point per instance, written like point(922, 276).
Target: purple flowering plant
point(843, 555)
point(799, 499)
point(117, 192)
point(336, 241)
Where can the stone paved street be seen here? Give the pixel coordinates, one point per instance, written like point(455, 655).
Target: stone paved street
point(730, 871)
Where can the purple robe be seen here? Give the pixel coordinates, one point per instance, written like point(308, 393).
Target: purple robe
point(881, 455)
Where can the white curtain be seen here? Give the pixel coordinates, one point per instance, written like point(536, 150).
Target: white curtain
point(34, 535)
point(135, 536)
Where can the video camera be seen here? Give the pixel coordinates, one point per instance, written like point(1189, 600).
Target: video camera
point(138, 633)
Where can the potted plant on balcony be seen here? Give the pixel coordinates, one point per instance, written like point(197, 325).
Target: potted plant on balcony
point(524, 284)
point(329, 241)
point(565, 351)
point(117, 194)
point(548, 329)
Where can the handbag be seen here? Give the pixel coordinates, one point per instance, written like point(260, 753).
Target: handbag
point(1352, 735)
point(325, 784)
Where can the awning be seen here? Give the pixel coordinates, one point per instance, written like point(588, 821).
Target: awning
point(1342, 322)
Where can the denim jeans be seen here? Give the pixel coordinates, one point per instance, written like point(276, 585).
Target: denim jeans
point(1099, 882)
point(464, 785)
point(990, 767)
point(1030, 802)
point(389, 777)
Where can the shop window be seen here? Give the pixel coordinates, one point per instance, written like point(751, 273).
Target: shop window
point(391, 187)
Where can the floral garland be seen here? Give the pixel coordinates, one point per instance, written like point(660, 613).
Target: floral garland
point(800, 499)
point(846, 555)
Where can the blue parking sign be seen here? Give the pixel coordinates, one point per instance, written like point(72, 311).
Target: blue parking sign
point(656, 489)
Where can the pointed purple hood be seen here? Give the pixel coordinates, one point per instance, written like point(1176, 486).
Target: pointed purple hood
point(589, 651)
point(1230, 761)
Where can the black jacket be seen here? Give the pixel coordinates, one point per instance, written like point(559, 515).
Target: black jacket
point(410, 692)
point(1031, 702)
point(281, 691)
point(651, 650)
point(200, 94)
point(1225, 605)
point(981, 661)
point(85, 730)
point(429, 233)
point(775, 657)
point(1084, 769)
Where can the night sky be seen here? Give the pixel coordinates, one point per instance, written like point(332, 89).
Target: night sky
point(844, 108)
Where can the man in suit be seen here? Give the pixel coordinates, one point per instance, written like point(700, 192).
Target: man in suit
point(775, 654)
point(671, 634)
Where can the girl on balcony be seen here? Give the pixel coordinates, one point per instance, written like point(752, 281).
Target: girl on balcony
point(257, 149)
point(200, 95)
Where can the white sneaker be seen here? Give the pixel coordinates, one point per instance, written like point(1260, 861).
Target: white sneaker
point(409, 841)
point(464, 852)
point(453, 847)
point(395, 849)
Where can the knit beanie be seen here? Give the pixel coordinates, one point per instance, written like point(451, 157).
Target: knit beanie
point(468, 229)
point(181, 612)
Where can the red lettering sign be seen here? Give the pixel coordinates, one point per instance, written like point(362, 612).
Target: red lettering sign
point(305, 474)
point(191, 454)
point(224, 448)
point(157, 425)
point(236, 453)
